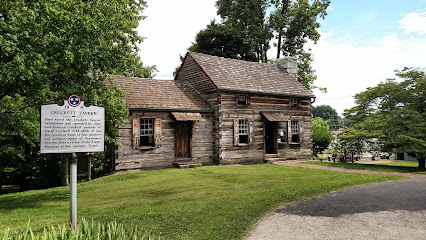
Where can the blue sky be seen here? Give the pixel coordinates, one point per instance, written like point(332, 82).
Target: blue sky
point(361, 42)
point(365, 20)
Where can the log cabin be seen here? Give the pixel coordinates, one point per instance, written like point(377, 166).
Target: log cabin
point(216, 111)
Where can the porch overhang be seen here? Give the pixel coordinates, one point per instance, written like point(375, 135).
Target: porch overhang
point(274, 116)
point(187, 116)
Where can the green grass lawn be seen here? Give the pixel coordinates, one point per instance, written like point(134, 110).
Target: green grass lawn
point(402, 167)
point(217, 202)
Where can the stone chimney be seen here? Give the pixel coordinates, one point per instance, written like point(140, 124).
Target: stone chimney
point(288, 65)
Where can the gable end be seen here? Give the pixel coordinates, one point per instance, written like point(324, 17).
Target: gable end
point(192, 72)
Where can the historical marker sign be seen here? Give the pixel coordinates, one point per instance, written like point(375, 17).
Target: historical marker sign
point(72, 127)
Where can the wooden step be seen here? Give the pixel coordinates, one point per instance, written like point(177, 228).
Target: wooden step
point(195, 165)
point(275, 159)
point(188, 165)
point(271, 155)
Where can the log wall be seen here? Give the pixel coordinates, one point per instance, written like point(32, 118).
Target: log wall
point(192, 72)
point(128, 157)
point(255, 152)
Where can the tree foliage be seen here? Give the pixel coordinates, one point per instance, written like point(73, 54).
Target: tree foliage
point(329, 114)
point(394, 113)
point(321, 135)
point(220, 39)
point(249, 19)
point(352, 143)
point(296, 22)
point(52, 49)
point(248, 27)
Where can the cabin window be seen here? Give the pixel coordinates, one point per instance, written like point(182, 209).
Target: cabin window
point(147, 132)
point(294, 103)
point(243, 131)
point(295, 132)
point(242, 100)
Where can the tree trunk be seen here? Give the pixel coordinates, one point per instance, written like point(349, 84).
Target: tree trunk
point(344, 157)
point(1, 179)
point(422, 163)
point(265, 56)
point(283, 10)
point(279, 45)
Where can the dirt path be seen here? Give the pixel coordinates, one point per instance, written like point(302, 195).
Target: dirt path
point(296, 163)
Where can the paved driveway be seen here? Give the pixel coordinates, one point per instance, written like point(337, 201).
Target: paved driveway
point(389, 210)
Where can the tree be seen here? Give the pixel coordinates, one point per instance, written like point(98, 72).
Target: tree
point(52, 49)
point(305, 72)
point(248, 26)
point(248, 19)
point(321, 135)
point(294, 23)
point(394, 113)
point(352, 143)
point(329, 114)
point(220, 39)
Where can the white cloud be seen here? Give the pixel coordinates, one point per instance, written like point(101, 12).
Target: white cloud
point(346, 69)
point(169, 29)
point(414, 22)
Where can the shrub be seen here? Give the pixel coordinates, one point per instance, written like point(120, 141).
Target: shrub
point(321, 135)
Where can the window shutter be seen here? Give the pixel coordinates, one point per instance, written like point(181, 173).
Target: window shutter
point(236, 136)
point(136, 125)
point(289, 131)
point(251, 133)
point(157, 132)
point(300, 132)
point(248, 99)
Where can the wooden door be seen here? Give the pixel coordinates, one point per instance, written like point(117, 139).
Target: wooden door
point(270, 137)
point(183, 139)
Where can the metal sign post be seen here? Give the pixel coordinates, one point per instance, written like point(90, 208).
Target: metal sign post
point(72, 128)
point(73, 190)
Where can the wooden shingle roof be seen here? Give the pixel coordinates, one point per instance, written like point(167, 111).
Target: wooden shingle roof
point(159, 94)
point(237, 75)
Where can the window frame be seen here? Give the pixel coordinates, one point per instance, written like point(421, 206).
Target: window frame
point(247, 129)
point(246, 102)
point(150, 131)
point(294, 103)
point(294, 130)
point(243, 130)
point(136, 133)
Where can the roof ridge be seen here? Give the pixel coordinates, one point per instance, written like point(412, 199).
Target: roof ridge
point(123, 76)
point(230, 59)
